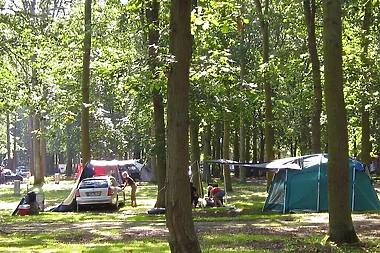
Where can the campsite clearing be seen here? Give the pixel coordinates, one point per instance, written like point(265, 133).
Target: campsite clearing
point(245, 229)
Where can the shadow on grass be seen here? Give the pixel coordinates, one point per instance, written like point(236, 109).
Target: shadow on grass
point(243, 229)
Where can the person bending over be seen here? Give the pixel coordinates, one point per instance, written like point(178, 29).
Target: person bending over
point(217, 194)
point(130, 182)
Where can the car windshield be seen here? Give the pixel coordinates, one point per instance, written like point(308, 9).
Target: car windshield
point(97, 183)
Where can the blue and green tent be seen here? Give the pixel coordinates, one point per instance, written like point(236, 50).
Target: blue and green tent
point(300, 184)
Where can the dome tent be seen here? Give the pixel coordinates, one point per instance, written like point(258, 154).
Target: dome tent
point(300, 184)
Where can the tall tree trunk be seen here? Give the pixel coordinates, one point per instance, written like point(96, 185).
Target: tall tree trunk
point(9, 159)
point(152, 164)
point(15, 158)
point(263, 15)
point(217, 148)
point(206, 175)
point(85, 123)
point(255, 154)
point(31, 143)
point(366, 143)
point(69, 150)
point(365, 155)
point(152, 15)
point(160, 146)
point(179, 217)
point(247, 152)
point(43, 153)
point(341, 228)
point(195, 154)
point(38, 176)
point(242, 170)
point(236, 152)
point(226, 154)
point(304, 136)
point(310, 10)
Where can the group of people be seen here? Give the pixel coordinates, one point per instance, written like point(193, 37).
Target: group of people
point(214, 197)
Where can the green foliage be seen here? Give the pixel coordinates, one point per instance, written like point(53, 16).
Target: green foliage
point(50, 43)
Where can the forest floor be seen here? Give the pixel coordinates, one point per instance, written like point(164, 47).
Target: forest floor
point(210, 221)
point(367, 226)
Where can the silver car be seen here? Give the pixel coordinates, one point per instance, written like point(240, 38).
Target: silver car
point(103, 190)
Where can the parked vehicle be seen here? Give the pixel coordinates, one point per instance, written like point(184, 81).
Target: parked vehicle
point(102, 190)
point(22, 171)
point(9, 176)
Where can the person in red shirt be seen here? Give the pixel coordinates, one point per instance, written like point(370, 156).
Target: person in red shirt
point(217, 194)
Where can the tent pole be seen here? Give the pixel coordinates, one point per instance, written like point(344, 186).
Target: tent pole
point(319, 184)
point(285, 190)
point(353, 188)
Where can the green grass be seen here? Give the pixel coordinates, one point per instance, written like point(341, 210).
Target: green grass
point(244, 229)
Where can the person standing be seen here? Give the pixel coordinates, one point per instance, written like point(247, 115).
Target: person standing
point(2, 176)
point(130, 182)
point(194, 195)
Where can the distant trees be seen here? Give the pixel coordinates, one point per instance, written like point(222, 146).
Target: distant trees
point(249, 99)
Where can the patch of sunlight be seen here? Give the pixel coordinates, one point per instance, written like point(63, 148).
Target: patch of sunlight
point(240, 237)
point(11, 249)
point(105, 234)
point(252, 194)
point(149, 228)
point(8, 205)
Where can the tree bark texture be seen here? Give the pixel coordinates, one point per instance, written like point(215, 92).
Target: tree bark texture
point(43, 154)
point(217, 148)
point(179, 217)
point(242, 170)
point(38, 176)
point(31, 143)
point(242, 150)
point(85, 124)
point(206, 175)
point(247, 149)
point(160, 147)
point(269, 141)
point(226, 155)
point(37, 133)
point(310, 10)
point(15, 137)
point(365, 155)
point(152, 10)
point(341, 229)
point(236, 152)
point(195, 154)
point(366, 135)
point(9, 142)
point(255, 154)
